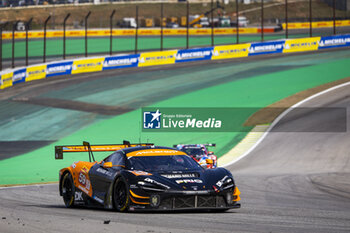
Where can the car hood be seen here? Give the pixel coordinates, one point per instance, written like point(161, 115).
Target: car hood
point(192, 180)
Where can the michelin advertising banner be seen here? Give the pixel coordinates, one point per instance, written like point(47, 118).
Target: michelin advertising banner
point(117, 62)
point(87, 65)
point(334, 41)
point(266, 48)
point(6, 80)
point(198, 54)
point(157, 58)
point(61, 68)
point(35, 72)
point(301, 45)
point(19, 76)
point(230, 51)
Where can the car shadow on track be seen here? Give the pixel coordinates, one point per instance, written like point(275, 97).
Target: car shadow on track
point(98, 208)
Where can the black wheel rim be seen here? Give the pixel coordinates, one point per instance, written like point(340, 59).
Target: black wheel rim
point(120, 195)
point(67, 190)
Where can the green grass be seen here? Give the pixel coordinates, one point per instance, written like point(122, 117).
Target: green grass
point(260, 90)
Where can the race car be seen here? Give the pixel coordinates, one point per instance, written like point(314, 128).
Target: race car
point(200, 153)
point(138, 177)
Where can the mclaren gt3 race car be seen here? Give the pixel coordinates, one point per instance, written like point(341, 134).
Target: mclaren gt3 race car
point(200, 153)
point(144, 177)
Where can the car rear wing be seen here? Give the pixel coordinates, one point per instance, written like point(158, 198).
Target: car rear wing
point(208, 144)
point(86, 147)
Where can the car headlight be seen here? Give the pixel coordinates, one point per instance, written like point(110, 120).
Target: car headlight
point(225, 183)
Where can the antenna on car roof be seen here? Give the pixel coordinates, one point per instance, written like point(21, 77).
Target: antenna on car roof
point(127, 143)
point(140, 134)
point(91, 155)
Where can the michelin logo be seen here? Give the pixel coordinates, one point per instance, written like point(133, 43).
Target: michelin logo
point(301, 45)
point(334, 41)
point(229, 51)
point(152, 120)
point(19, 76)
point(58, 69)
point(120, 62)
point(191, 55)
point(265, 48)
point(87, 65)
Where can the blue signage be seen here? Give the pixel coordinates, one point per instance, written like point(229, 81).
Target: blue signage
point(334, 41)
point(194, 54)
point(266, 47)
point(61, 68)
point(19, 76)
point(124, 61)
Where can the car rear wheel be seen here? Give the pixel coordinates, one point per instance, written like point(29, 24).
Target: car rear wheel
point(68, 190)
point(121, 195)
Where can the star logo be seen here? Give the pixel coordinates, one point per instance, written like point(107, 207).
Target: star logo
point(156, 115)
point(152, 120)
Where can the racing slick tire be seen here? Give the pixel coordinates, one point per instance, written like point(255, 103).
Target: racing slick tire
point(68, 190)
point(121, 195)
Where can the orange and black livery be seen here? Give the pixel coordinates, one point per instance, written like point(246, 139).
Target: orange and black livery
point(136, 177)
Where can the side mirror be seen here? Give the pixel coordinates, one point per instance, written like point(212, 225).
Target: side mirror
point(107, 165)
point(209, 161)
point(210, 153)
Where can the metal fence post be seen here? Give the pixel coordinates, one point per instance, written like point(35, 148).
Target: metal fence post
point(187, 23)
point(137, 27)
point(27, 28)
point(286, 14)
point(262, 20)
point(111, 32)
point(334, 23)
point(64, 35)
point(14, 25)
point(161, 26)
point(45, 25)
point(237, 26)
point(86, 37)
point(310, 15)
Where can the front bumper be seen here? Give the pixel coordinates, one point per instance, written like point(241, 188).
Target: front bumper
point(195, 202)
point(172, 201)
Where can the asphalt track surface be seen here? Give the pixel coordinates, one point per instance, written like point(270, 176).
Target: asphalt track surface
point(292, 182)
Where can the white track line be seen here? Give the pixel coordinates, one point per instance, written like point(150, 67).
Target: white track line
point(25, 185)
point(281, 116)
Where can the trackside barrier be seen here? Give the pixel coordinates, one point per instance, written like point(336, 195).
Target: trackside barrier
point(131, 32)
point(171, 31)
point(12, 77)
point(318, 24)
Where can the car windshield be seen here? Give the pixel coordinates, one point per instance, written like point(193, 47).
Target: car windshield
point(194, 151)
point(163, 163)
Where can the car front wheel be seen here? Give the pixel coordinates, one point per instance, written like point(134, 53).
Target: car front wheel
point(121, 195)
